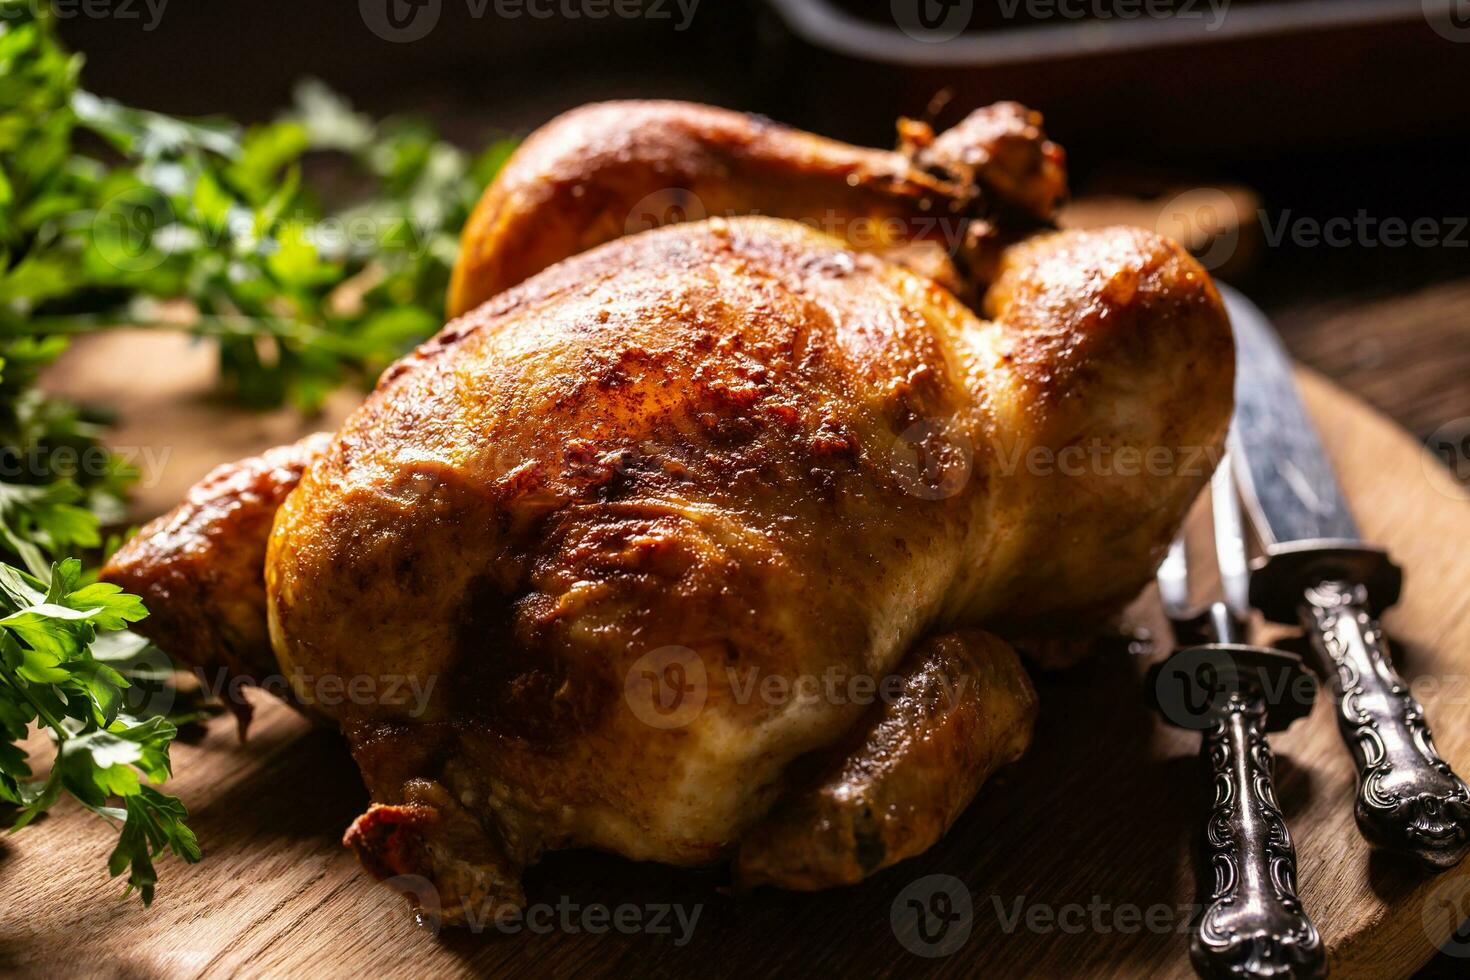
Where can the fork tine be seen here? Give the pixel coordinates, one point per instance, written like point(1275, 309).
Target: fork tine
point(1230, 550)
point(1173, 578)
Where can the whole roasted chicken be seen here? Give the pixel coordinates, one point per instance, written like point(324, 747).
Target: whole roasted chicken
point(710, 542)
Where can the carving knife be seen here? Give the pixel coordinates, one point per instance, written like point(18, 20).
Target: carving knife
point(1318, 571)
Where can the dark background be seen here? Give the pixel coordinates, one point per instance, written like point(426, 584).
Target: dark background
point(1323, 120)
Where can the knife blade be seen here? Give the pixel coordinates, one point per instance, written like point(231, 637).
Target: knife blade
point(1318, 571)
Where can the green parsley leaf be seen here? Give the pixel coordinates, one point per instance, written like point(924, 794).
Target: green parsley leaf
point(49, 676)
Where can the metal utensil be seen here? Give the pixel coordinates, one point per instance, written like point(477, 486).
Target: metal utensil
point(1317, 570)
point(1252, 923)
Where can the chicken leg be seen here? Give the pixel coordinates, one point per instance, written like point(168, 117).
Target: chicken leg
point(615, 168)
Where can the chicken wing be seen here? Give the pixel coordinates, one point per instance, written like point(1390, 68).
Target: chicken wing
point(200, 567)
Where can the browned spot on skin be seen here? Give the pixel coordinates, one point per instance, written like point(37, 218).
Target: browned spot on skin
point(386, 839)
point(520, 481)
point(832, 438)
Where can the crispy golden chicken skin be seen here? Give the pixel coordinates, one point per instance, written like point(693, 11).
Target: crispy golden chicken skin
point(199, 566)
point(614, 168)
point(688, 539)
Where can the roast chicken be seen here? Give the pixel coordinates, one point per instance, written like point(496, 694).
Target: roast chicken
point(715, 542)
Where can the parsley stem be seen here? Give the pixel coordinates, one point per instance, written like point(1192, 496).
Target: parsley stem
point(17, 684)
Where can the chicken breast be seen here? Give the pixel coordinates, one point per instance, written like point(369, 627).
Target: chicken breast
point(711, 455)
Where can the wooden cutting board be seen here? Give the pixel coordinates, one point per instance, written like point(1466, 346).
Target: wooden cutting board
point(1074, 862)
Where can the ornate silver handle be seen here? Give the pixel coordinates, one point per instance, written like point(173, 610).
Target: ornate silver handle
point(1253, 924)
point(1408, 800)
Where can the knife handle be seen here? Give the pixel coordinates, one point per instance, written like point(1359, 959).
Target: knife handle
point(1408, 799)
point(1253, 924)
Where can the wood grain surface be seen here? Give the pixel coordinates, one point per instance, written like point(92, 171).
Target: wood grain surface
point(1075, 862)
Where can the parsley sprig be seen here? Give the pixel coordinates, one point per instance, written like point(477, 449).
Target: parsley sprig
point(50, 676)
